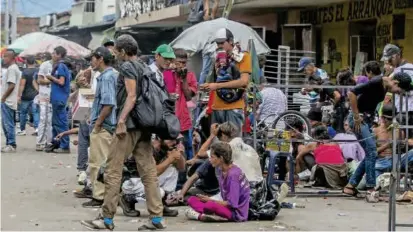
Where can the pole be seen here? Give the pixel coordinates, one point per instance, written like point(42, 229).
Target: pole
point(393, 181)
point(7, 22)
point(13, 21)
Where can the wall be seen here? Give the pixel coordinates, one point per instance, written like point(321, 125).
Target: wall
point(334, 21)
point(79, 17)
point(27, 25)
point(104, 7)
point(267, 20)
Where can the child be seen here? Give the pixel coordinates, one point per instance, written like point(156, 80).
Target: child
point(234, 187)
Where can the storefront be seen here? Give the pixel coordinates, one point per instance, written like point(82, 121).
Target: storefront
point(341, 30)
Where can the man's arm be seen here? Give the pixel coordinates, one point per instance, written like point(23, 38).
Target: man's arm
point(188, 184)
point(189, 86)
point(60, 81)
point(160, 168)
point(42, 80)
point(353, 103)
point(204, 148)
point(21, 88)
point(108, 93)
point(337, 97)
point(7, 92)
point(36, 85)
point(130, 99)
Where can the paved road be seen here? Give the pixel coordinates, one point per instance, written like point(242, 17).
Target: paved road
point(36, 194)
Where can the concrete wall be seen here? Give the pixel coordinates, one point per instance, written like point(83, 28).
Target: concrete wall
point(104, 7)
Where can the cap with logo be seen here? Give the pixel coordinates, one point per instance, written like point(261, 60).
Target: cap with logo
point(103, 52)
point(165, 51)
point(303, 63)
point(223, 35)
point(388, 51)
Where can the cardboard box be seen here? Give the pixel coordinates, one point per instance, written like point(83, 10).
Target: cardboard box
point(83, 104)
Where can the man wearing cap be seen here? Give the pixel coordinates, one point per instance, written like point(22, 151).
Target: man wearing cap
point(307, 66)
point(164, 55)
point(392, 55)
point(102, 120)
point(228, 102)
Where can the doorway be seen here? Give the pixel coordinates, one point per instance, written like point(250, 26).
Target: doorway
point(362, 39)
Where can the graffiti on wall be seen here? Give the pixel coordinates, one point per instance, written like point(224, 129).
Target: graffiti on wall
point(134, 8)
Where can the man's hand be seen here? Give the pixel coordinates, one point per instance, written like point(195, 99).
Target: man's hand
point(121, 130)
point(97, 128)
point(174, 155)
point(210, 86)
point(49, 77)
point(203, 198)
point(214, 129)
point(3, 100)
point(191, 161)
point(19, 100)
point(59, 136)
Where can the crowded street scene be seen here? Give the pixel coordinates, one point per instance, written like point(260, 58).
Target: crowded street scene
point(200, 115)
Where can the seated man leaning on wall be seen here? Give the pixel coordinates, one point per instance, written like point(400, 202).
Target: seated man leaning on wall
point(169, 158)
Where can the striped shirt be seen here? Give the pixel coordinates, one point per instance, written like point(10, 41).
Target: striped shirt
point(105, 96)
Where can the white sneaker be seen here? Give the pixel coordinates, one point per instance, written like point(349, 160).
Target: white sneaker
point(8, 149)
point(82, 178)
point(192, 214)
point(21, 133)
point(304, 175)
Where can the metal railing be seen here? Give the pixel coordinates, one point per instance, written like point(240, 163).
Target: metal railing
point(134, 8)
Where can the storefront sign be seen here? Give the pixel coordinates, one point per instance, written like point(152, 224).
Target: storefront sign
point(354, 10)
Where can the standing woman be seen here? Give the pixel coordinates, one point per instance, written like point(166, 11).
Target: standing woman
point(234, 187)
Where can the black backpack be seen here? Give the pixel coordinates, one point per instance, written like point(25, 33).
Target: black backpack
point(154, 110)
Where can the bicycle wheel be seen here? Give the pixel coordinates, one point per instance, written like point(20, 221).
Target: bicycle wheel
point(280, 125)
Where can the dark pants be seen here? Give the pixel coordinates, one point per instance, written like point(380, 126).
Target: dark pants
point(60, 123)
point(188, 153)
point(82, 148)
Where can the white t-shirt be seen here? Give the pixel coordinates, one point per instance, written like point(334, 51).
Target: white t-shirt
point(13, 75)
point(44, 90)
point(410, 98)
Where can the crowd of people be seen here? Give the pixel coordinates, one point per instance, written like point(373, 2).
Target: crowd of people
point(209, 168)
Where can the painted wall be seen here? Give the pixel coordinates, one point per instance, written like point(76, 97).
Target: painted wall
point(334, 21)
point(104, 7)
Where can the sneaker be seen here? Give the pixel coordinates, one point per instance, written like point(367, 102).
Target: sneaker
point(94, 203)
point(372, 196)
point(62, 151)
point(168, 212)
point(8, 149)
point(35, 133)
point(192, 214)
point(40, 147)
point(81, 178)
point(97, 224)
point(21, 133)
point(128, 208)
point(151, 225)
point(304, 175)
point(84, 193)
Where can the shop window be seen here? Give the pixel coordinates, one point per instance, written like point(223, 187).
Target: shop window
point(399, 23)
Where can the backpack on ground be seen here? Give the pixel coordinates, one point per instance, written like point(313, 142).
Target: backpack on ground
point(154, 110)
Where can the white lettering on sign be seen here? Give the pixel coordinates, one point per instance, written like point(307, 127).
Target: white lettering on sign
point(134, 8)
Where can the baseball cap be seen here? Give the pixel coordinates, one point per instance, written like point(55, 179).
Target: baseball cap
point(387, 111)
point(165, 51)
point(223, 35)
point(303, 63)
point(388, 51)
point(108, 43)
point(102, 52)
point(315, 114)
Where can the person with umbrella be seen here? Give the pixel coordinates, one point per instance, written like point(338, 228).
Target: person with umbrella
point(229, 102)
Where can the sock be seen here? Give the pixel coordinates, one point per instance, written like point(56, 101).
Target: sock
point(156, 220)
point(108, 221)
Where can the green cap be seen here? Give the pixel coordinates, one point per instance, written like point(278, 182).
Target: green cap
point(165, 51)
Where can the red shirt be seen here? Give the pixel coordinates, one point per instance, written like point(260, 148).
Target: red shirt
point(328, 154)
point(173, 85)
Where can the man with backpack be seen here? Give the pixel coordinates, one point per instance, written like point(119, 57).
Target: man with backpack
point(129, 138)
point(229, 102)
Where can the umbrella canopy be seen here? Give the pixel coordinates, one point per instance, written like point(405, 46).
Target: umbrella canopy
point(28, 40)
point(73, 49)
point(201, 35)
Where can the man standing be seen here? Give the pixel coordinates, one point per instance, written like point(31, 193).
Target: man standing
point(45, 131)
point(129, 139)
point(9, 84)
point(164, 55)
point(225, 110)
point(102, 120)
point(27, 93)
point(307, 66)
point(60, 90)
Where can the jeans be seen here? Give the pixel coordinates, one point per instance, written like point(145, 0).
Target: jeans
point(188, 153)
point(8, 124)
point(60, 123)
point(367, 166)
point(82, 148)
point(206, 67)
point(25, 106)
point(385, 164)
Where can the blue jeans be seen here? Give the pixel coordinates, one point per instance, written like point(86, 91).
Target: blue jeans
point(189, 154)
point(60, 123)
point(385, 164)
point(82, 148)
point(206, 67)
point(25, 107)
point(367, 166)
point(8, 124)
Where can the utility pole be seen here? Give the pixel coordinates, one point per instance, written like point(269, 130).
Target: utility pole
point(7, 22)
point(13, 20)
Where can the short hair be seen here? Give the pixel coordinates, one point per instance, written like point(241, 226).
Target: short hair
point(222, 150)
point(228, 129)
point(181, 53)
point(60, 51)
point(47, 56)
point(345, 77)
point(294, 124)
point(128, 44)
point(30, 60)
point(321, 132)
point(373, 67)
point(405, 82)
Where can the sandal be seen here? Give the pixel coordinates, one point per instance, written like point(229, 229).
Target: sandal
point(354, 191)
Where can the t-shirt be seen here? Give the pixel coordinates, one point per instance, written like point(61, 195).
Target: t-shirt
point(44, 90)
point(322, 74)
point(207, 182)
point(326, 93)
point(410, 98)
point(328, 154)
point(235, 190)
point(13, 75)
point(29, 91)
point(244, 67)
point(61, 93)
point(369, 95)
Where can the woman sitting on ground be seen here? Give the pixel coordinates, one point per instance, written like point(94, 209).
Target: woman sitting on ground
point(234, 187)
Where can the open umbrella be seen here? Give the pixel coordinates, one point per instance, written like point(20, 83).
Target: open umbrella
point(28, 40)
point(73, 49)
point(197, 37)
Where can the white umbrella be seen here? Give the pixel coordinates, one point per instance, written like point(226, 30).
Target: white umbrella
point(73, 49)
point(201, 35)
point(28, 40)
